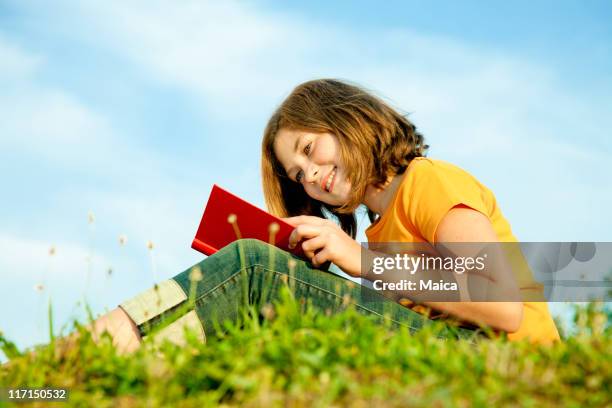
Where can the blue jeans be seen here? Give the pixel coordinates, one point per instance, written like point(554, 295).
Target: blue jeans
point(249, 271)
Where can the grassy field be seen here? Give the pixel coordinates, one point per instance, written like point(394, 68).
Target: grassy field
point(300, 357)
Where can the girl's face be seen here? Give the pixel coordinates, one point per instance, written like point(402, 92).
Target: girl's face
point(313, 160)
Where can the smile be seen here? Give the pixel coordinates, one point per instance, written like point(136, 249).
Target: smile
point(329, 180)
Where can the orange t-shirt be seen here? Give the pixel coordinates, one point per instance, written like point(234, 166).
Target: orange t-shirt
point(428, 191)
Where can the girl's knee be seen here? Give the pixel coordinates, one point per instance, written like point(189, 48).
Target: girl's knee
point(252, 251)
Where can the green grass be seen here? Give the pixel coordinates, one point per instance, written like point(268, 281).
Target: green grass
point(300, 357)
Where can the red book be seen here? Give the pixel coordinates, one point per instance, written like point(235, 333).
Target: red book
point(215, 231)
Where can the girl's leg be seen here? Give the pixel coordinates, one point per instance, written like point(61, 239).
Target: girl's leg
point(249, 270)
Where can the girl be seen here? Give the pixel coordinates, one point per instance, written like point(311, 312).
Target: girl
point(329, 148)
point(332, 146)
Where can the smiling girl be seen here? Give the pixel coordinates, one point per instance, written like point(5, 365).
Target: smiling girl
point(329, 148)
point(332, 146)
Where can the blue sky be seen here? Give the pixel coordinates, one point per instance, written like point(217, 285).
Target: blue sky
point(132, 110)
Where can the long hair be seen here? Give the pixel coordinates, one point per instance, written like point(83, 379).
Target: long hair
point(378, 141)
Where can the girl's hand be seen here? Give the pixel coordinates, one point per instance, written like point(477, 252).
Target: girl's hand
point(325, 241)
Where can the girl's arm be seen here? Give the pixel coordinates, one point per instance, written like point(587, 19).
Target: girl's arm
point(463, 224)
point(325, 241)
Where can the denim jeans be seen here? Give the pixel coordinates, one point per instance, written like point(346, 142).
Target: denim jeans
point(250, 271)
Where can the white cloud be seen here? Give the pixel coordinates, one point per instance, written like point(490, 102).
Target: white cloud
point(35, 263)
point(241, 61)
point(227, 52)
point(14, 63)
point(46, 122)
point(169, 222)
point(52, 124)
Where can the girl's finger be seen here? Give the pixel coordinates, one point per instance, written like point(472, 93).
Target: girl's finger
point(303, 231)
point(321, 257)
point(312, 245)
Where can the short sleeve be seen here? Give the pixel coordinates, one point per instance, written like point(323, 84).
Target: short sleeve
point(434, 188)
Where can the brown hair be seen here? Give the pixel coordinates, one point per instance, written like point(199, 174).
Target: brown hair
point(379, 142)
